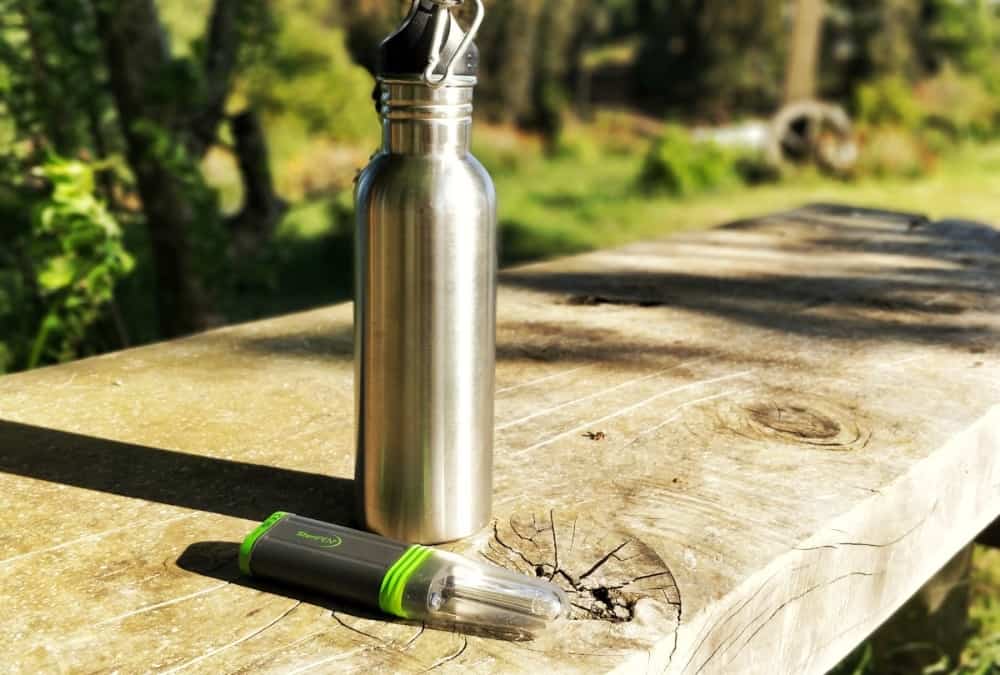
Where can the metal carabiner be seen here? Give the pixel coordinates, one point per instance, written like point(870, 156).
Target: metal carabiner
point(442, 14)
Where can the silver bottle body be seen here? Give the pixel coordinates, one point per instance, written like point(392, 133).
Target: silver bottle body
point(425, 320)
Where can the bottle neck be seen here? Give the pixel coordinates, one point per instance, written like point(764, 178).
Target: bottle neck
point(420, 120)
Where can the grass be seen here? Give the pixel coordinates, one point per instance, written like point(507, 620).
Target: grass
point(982, 653)
point(575, 203)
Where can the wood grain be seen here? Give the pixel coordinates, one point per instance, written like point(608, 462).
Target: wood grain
point(737, 451)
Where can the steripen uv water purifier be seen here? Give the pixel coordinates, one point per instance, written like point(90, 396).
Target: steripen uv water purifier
point(408, 581)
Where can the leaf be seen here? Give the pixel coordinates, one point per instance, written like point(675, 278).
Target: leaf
point(56, 273)
point(126, 262)
point(75, 247)
point(49, 324)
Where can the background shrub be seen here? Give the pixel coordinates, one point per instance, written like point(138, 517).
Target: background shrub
point(891, 151)
point(675, 164)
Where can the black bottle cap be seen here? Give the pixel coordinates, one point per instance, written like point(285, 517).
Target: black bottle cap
point(407, 52)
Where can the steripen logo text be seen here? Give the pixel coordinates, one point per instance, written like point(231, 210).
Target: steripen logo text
point(321, 539)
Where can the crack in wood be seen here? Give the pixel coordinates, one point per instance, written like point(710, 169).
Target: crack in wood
point(356, 630)
point(450, 657)
point(327, 660)
point(160, 605)
point(593, 300)
point(254, 664)
point(236, 642)
point(594, 593)
point(679, 605)
point(604, 559)
point(729, 617)
point(726, 644)
point(891, 542)
point(496, 537)
point(409, 643)
point(555, 544)
point(786, 603)
point(766, 582)
point(868, 618)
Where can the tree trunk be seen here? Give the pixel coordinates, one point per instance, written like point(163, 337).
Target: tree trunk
point(516, 73)
point(557, 27)
point(137, 55)
point(800, 76)
point(262, 207)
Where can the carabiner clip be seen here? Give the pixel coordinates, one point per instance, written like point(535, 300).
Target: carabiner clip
point(442, 14)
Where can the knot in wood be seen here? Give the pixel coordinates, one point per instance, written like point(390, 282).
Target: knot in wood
point(795, 420)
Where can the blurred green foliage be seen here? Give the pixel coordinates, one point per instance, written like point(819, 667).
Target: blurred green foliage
point(965, 33)
point(912, 39)
point(208, 239)
point(960, 105)
point(888, 101)
point(58, 274)
point(681, 167)
point(304, 65)
point(75, 248)
point(981, 655)
point(678, 165)
point(310, 84)
point(893, 151)
point(61, 250)
point(956, 104)
point(906, 128)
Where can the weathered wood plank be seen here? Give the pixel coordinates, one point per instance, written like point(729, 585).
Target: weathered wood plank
point(737, 450)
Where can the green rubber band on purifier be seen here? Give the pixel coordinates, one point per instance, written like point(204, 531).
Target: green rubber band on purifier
point(397, 584)
point(246, 548)
point(390, 596)
point(390, 580)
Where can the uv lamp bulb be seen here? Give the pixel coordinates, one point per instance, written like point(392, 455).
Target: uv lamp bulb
point(461, 591)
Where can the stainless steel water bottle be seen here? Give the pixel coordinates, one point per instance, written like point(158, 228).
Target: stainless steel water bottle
point(425, 291)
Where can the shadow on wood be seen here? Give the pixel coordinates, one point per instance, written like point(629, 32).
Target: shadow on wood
point(240, 489)
point(905, 278)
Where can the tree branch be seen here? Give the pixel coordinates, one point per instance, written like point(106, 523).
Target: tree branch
point(218, 66)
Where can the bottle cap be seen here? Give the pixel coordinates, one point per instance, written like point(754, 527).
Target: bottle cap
point(431, 45)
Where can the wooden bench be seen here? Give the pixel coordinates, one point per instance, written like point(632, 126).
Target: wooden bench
point(738, 450)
